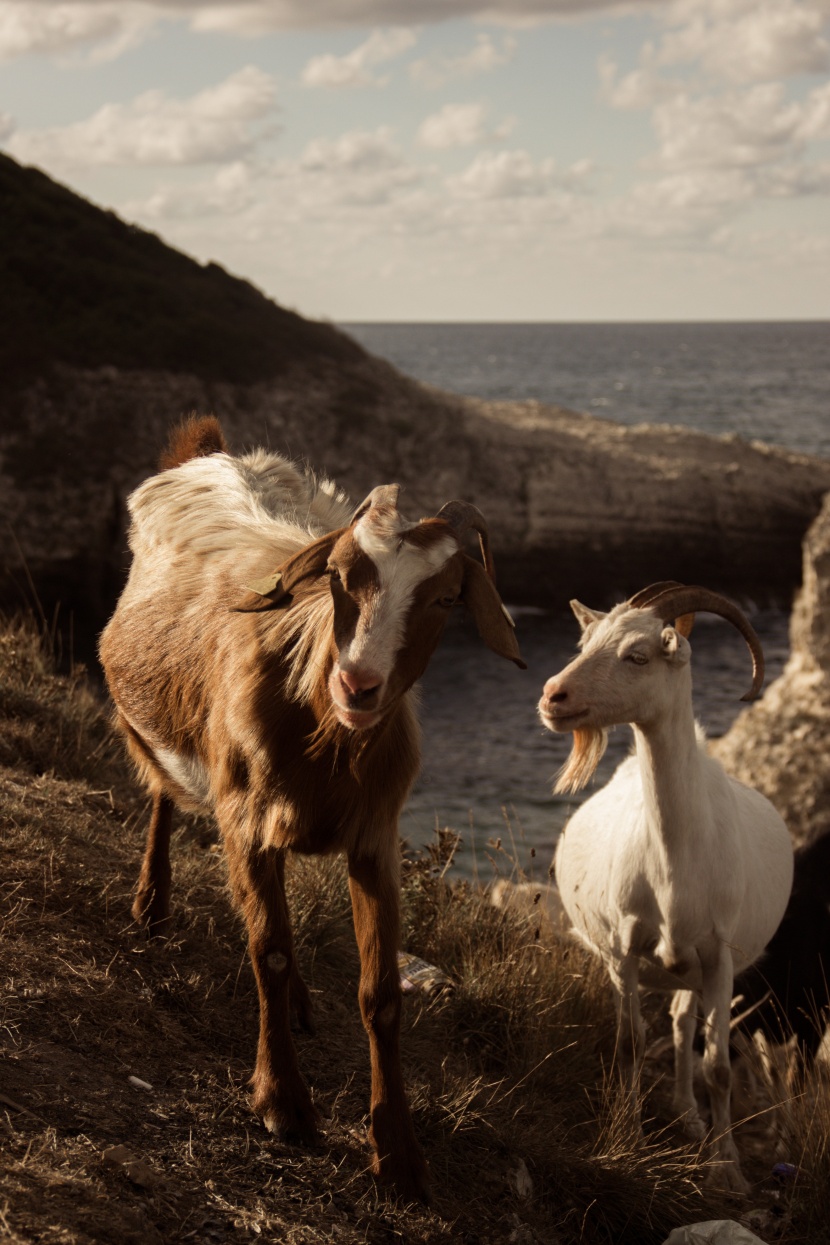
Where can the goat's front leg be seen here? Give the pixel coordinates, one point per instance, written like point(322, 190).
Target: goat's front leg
point(151, 906)
point(684, 1027)
point(374, 885)
point(280, 1095)
point(717, 999)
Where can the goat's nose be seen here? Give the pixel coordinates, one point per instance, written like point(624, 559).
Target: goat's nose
point(359, 684)
point(554, 693)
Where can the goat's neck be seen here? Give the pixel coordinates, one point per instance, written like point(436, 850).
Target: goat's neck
point(673, 786)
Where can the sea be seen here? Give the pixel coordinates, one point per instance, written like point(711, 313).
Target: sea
point(489, 765)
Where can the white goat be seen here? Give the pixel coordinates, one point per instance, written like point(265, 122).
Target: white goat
point(674, 873)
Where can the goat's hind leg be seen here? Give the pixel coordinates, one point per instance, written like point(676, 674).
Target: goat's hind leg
point(717, 1071)
point(280, 1095)
point(298, 994)
point(151, 906)
point(684, 1016)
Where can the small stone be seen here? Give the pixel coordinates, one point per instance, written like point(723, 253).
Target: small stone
point(136, 1169)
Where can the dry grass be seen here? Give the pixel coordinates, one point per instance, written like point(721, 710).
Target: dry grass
point(507, 1073)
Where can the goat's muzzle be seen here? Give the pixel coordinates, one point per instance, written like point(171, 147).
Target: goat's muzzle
point(356, 696)
point(556, 709)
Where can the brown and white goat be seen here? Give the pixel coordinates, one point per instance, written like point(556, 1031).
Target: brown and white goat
point(260, 660)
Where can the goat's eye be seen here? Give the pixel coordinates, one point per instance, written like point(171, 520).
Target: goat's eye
point(334, 574)
point(447, 602)
point(639, 659)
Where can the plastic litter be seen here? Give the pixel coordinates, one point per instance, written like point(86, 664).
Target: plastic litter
point(417, 974)
point(784, 1172)
point(713, 1232)
point(138, 1083)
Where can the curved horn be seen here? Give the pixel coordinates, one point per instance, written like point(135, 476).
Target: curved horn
point(645, 596)
point(642, 599)
point(675, 601)
point(463, 515)
point(383, 495)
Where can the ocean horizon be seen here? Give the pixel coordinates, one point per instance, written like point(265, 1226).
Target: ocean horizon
point(761, 380)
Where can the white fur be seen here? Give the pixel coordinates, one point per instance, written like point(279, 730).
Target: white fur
point(217, 504)
point(188, 772)
point(401, 566)
point(674, 873)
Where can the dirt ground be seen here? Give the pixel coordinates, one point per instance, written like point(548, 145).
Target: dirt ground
point(124, 1061)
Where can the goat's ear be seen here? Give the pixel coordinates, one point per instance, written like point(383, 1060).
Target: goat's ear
point(684, 624)
point(584, 616)
point(382, 495)
point(268, 593)
point(495, 626)
point(676, 648)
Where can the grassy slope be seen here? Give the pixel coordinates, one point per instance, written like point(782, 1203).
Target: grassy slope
point(507, 1070)
point(79, 286)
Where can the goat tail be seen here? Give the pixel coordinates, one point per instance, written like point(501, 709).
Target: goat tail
point(586, 754)
point(195, 437)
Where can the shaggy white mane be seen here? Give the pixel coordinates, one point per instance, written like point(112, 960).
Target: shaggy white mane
point(214, 505)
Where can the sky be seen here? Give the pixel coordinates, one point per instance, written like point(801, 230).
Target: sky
point(450, 160)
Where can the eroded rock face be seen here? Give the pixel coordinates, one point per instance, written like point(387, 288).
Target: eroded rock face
point(780, 744)
point(577, 506)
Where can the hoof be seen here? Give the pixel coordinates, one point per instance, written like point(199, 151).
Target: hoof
point(154, 918)
point(727, 1177)
point(297, 1123)
point(405, 1175)
point(692, 1124)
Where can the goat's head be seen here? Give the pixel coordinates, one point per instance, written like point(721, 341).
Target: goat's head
point(393, 584)
point(633, 665)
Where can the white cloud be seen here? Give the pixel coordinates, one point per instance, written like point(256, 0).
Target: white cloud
point(360, 167)
point(353, 69)
point(743, 41)
point(730, 131)
point(734, 129)
point(266, 15)
point(483, 57)
point(815, 115)
point(228, 193)
point(8, 125)
point(703, 205)
point(514, 174)
point(103, 30)
point(356, 151)
point(460, 125)
point(217, 124)
point(758, 126)
point(724, 41)
point(638, 89)
point(796, 180)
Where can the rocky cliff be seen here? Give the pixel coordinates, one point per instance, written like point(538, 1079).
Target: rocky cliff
point(576, 505)
point(780, 744)
point(108, 337)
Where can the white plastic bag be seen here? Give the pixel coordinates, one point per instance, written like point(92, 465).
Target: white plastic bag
point(713, 1232)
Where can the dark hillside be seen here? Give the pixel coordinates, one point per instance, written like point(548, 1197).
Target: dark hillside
point(81, 287)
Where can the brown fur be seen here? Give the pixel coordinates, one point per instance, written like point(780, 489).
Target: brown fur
point(223, 695)
point(273, 791)
point(195, 437)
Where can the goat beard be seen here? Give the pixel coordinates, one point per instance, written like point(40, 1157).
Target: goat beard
point(587, 752)
point(331, 733)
